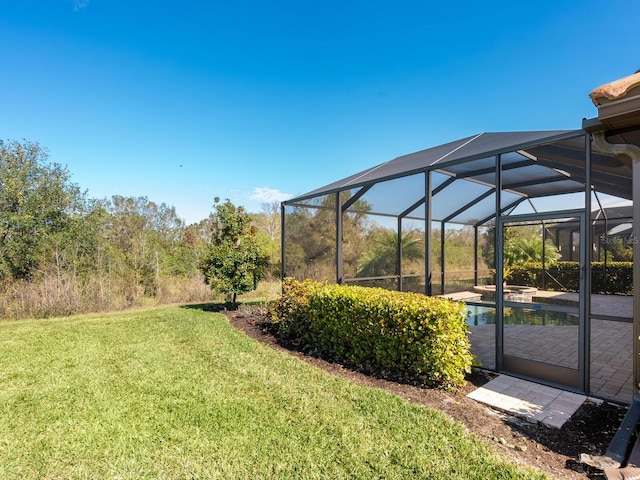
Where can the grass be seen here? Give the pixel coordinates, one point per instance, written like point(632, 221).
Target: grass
point(177, 393)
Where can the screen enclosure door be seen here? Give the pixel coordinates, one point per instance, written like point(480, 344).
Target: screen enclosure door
point(541, 317)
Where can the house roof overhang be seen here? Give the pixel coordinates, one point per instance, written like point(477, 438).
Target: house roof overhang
point(618, 102)
point(618, 105)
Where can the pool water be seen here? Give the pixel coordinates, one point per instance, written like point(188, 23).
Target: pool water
point(520, 316)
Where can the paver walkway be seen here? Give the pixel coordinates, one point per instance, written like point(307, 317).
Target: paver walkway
point(532, 401)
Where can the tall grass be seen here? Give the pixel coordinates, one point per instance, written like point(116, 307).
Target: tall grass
point(58, 295)
point(177, 393)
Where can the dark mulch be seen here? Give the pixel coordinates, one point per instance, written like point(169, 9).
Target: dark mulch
point(555, 451)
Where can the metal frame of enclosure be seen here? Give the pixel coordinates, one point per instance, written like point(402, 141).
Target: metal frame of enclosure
point(441, 221)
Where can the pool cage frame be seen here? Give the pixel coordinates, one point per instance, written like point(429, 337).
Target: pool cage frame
point(512, 172)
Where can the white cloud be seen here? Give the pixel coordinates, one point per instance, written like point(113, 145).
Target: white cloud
point(80, 4)
point(266, 194)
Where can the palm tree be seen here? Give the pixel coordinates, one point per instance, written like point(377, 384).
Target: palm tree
point(381, 259)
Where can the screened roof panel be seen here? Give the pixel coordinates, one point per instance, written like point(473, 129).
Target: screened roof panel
point(510, 159)
point(533, 174)
point(535, 165)
point(523, 208)
point(554, 203)
point(438, 179)
point(472, 168)
point(542, 189)
point(394, 196)
point(457, 196)
point(509, 200)
point(481, 145)
point(478, 211)
point(609, 173)
point(615, 212)
point(618, 222)
point(320, 201)
point(487, 179)
point(418, 212)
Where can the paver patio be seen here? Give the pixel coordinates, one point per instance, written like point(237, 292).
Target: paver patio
point(611, 368)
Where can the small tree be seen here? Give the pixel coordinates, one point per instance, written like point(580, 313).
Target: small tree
point(233, 262)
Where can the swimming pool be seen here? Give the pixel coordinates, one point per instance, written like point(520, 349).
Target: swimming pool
point(479, 315)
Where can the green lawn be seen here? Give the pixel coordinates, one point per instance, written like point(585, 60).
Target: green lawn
point(177, 393)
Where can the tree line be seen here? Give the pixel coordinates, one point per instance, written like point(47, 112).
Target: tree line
point(62, 252)
point(369, 248)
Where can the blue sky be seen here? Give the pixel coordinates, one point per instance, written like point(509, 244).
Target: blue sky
point(260, 101)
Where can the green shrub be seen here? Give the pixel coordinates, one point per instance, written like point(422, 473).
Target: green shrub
point(289, 312)
point(614, 278)
point(406, 335)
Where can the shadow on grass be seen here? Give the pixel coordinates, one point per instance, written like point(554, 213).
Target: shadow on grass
point(223, 306)
point(207, 307)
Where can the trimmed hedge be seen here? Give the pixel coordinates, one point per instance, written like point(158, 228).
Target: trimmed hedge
point(402, 335)
point(615, 279)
